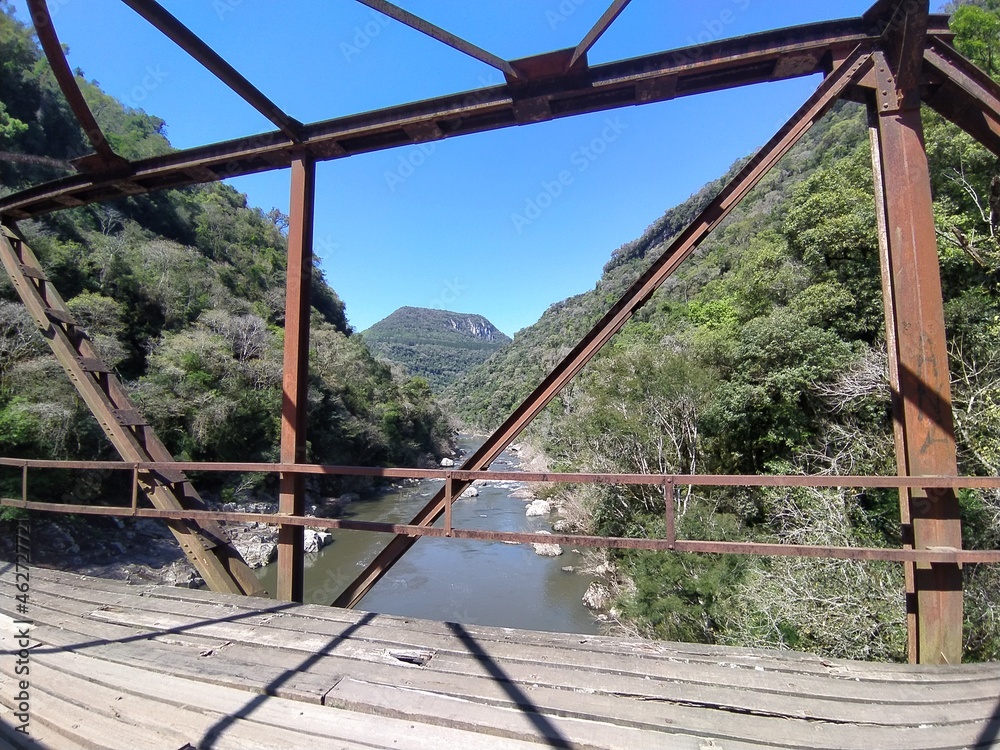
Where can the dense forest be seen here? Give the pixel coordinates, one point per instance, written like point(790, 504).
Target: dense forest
point(436, 345)
point(765, 353)
point(183, 294)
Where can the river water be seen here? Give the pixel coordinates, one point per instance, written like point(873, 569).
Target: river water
point(455, 580)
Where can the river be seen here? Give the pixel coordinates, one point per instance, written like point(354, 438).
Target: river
point(456, 580)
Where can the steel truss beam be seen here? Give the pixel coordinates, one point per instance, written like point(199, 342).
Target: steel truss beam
point(436, 32)
point(206, 545)
point(849, 72)
point(191, 43)
point(105, 159)
point(962, 93)
point(590, 39)
point(772, 56)
point(892, 350)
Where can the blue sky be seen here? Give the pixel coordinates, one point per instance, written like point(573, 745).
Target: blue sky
point(450, 224)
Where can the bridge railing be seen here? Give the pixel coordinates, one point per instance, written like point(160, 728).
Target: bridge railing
point(667, 483)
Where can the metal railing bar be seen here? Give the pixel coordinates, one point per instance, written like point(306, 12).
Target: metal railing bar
point(657, 545)
point(701, 480)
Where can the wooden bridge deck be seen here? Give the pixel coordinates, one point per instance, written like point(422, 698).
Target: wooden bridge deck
point(156, 667)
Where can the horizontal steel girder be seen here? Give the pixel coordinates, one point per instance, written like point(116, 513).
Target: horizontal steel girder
point(771, 56)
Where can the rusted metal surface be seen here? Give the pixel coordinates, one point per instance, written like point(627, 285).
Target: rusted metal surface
point(679, 480)
point(590, 39)
point(295, 374)
point(193, 45)
point(106, 159)
point(436, 32)
point(924, 556)
point(962, 93)
point(207, 547)
point(633, 299)
point(892, 351)
point(772, 56)
point(670, 513)
point(918, 316)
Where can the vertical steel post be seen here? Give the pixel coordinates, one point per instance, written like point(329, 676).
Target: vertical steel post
point(295, 379)
point(915, 312)
point(670, 512)
point(892, 350)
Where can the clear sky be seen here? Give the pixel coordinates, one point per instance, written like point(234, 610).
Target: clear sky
point(438, 225)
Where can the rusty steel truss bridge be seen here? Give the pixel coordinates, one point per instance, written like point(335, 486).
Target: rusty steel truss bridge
point(894, 59)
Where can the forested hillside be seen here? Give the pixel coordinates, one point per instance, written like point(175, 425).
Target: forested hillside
point(436, 345)
point(765, 353)
point(183, 293)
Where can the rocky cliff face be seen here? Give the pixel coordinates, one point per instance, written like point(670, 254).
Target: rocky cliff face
point(476, 326)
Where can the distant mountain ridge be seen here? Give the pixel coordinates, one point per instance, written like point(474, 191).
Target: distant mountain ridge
point(437, 345)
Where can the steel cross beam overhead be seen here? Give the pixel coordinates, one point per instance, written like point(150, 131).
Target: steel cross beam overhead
point(770, 56)
point(191, 43)
point(436, 32)
point(105, 159)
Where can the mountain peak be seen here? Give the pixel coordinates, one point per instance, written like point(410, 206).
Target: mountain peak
point(438, 345)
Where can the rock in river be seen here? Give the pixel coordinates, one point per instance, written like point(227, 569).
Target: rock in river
point(316, 540)
point(538, 508)
point(597, 596)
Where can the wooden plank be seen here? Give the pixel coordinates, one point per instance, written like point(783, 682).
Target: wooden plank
point(251, 667)
point(401, 703)
point(543, 685)
point(249, 720)
point(146, 720)
point(79, 724)
point(41, 737)
point(552, 731)
point(781, 661)
point(290, 631)
point(43, 612)
point(768, 698)
point(254, 669)
point(756, 690)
